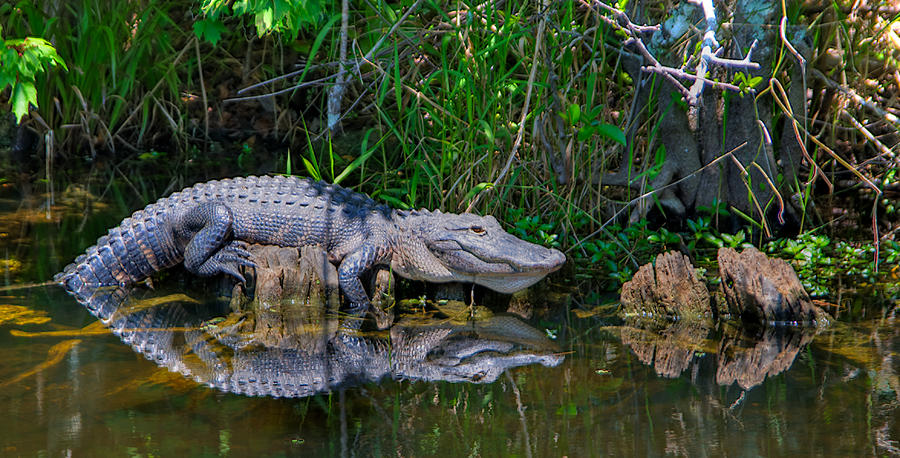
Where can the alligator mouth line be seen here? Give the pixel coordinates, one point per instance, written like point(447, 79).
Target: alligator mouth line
point(514, 269)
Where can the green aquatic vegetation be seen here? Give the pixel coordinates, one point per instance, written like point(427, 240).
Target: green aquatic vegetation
point(818, 259)
point(123, 69)
point(533, 229)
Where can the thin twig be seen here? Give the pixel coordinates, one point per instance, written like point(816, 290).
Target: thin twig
point(369, 55)
point(889, 117)
point(689, 76)
point(203, 95)
point(281, 91)
point(865, 132)
point(336, 94)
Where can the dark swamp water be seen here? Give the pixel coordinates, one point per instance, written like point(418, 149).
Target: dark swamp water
point(573, 380)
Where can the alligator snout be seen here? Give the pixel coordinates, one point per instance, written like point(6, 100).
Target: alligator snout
point(553, 260)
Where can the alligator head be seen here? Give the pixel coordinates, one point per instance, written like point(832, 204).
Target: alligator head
point(445, 247)
point(478, 351)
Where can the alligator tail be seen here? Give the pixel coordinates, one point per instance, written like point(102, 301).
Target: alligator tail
point(140, 246)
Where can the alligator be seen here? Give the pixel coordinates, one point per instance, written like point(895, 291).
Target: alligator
point(208, 227)
point(180, 336)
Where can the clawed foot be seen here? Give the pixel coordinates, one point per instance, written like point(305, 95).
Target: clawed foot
point(228, 261)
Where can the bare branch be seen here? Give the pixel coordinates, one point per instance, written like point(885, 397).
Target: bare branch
point(709, 54)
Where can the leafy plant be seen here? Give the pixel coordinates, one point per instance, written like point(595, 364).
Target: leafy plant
point(818, 260)
point(123, 69)
point(280, 16)
point(20, 62)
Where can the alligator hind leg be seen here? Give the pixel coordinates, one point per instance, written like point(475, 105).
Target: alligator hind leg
point(210, 250)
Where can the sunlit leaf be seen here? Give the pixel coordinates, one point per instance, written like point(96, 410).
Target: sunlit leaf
point(23, 94)
point(313, 172)
point(574, 113)
point(477, 189)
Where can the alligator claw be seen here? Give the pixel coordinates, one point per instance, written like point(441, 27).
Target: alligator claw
point(230, 269)
point(228, 261)
point(239, 248)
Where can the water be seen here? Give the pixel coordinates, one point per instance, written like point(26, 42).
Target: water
point(609, 387)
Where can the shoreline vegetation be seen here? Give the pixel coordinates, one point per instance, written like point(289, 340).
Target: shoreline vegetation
point(580, 125)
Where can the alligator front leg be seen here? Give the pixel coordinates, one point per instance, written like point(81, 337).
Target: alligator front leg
point(210, 251)
point(353, 265)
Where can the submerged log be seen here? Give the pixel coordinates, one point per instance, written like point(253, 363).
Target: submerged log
point(760, 290)
point(668, 288)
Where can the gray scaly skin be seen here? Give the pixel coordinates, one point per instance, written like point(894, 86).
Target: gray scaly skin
point(172, 336)
point(208, 226)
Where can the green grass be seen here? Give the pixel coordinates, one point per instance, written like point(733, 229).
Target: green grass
point(506, 108)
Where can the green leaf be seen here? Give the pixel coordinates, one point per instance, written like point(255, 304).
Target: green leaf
point(477, 189)
point(488, 132)
point(209, 30)
point(612, 132)
point(398, 82)
point(311, 169)
point(23, 93)
point(359, 160)
point(6, 79)
point(660, 156)
point(394, 201)
point(585, 133)
point(264, 21)
point(317, 43)
point(574, 113)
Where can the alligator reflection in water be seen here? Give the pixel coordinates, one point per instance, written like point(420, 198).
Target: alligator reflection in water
point(183, 337)
point(740, 357)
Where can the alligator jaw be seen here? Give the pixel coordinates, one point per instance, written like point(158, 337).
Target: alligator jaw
point(476, 249)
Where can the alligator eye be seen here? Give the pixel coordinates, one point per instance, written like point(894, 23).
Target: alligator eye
point(478, 230)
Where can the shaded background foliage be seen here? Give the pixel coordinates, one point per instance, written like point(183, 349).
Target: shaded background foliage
point(537, 112)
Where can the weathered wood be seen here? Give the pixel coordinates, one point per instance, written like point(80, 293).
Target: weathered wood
point(667, 288)
point(289, 291)
point(748, 360)
point(760, 290)
point(293, 288)
point(669, 349)
point(382, 287)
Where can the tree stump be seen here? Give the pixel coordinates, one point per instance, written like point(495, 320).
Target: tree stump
point(293, 288)
point(670, 288)
point(760, 290)
point(287, 295)
point(382, 287)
